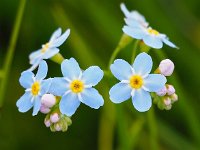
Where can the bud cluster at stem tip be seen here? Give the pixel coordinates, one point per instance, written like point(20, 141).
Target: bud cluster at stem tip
point(166, 97)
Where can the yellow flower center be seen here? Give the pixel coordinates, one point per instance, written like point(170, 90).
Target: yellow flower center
point(136, 81)
point(152, 31)
point(45, 47)
point(35, 88)
point(77, 86)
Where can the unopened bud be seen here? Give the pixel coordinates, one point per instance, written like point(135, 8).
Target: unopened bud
point(174, 97)
point(54, 117)
point(166, 67)
point(48, 100)
point(170, 89)
point(162, 91)
point(57, 127)
point(47, 122)
point(167, 101)
point(44, 109)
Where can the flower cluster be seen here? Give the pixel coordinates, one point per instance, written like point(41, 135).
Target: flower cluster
point(166, 96)
point(58, 97)
point(137, 27)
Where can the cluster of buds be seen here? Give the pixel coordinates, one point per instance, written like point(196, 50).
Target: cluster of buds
point(57, 121)
point(54, 118)
point(167, 95)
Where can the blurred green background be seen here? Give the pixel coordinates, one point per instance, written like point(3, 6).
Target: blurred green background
point(96, 27)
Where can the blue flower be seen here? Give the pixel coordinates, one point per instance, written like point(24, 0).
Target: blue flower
point(138, 28)
point(134, 15)
point(77, 86)
point(49, 49)
point(135, 81)
point(35, 86)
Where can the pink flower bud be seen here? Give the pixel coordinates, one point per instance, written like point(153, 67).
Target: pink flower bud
point(170, 89)
point(47, 123)
point(166, 67)
point(174, 97)
point(44, 109)
point(48, 100)
point(167, 101)
point(57, 127)
point(54, 117)
point(162, 91)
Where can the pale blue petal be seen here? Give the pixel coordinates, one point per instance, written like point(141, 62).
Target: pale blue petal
point(24, 103)
point(42, 70)
point(50, 53)
point(26, 79)
point(142, 100)
point(120, 92)
point(37, 104)
point(154, 82)
point(134, 25)
point(153, 41)
point(166, 41)
point(59, 86)
point(69, 104)
point(92, 98)
point(45, 86)
point(124, 10)
point(143, 64)
point(121, 69)
point(70, 68)
point(55, 35)
point(92, 75)
point(35, 65)
point(133, 32)
point(60, 40)
point(34, 56)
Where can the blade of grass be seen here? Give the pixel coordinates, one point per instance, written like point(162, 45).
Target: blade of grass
point(11, 49)
point(122, 128)
point(134, 132)
point(172, 138)
point(153, 137)
point(81, 50)
point(1, 74)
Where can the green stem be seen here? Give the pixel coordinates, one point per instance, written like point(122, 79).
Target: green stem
point(11, 49)
point(58, 58)
point(152, 129)
point(134, 50)
point(122, 128)
point(125, 40)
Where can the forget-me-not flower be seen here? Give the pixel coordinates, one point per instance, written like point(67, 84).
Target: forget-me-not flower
point(77, 86)
point(135, 15)
point(35, 86)
point(49, 49)
point(136, 82)
point(138, 28)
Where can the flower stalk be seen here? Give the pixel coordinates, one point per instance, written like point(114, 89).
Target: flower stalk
point(11, 50)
